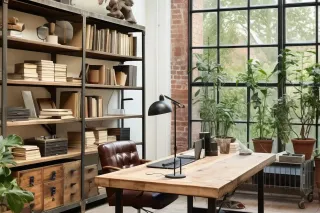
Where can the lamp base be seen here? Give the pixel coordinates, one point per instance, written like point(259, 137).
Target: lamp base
point(175, 176)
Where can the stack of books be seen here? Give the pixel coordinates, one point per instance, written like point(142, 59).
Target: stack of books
point(17, 114)
point(26, 152)
point(45, 70)
point(74, 140)
point(56, 114)
point(15, 27)
point(60, 72)
point(25, 71)
point(93, 106)
point(106, 75)
point(234, 147)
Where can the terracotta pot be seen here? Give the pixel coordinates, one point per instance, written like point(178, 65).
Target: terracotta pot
point(304, 146)
point(262, 145)
point(317, 174)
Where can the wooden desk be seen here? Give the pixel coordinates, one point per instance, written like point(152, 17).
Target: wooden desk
point(211, 177)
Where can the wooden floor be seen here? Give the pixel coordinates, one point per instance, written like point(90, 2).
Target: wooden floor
point(272, 205)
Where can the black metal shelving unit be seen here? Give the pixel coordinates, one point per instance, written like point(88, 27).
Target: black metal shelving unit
point(47, 9)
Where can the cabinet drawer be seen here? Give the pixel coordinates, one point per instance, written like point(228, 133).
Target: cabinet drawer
point(90, 171)
point(72, 172)
point(90, 188)
point(72, 193)
point(52, 173)
point(53, 194)
point(38, 197)
point(29, 178)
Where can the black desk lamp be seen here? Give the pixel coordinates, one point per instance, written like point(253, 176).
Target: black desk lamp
point(161, 107)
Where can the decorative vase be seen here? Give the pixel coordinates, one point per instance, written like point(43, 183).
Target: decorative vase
point(262, 145)
point(303, 146)
point(317, 176)
point(224, 144)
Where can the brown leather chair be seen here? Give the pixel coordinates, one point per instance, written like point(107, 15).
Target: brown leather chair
point(121, 155)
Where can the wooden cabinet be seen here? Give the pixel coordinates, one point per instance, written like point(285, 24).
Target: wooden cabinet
point(52, 173)
point(72, 177)
point(31, 180)
point(38, 197)
point(90, 171)
point(90, 188)
point(53, 194)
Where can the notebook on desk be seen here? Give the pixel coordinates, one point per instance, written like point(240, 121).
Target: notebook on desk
point(181, 160)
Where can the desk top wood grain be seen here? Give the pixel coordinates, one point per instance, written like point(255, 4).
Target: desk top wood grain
point(210, 177)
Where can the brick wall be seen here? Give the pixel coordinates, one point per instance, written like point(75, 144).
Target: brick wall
point(179, 68)
point(179, 64)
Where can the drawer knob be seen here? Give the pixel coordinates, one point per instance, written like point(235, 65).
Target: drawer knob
point(31, 181)
point(53, 191)
point(72, 171)
point(72, 184)
point(72, 194)
point(53, 175)
point(90, 169)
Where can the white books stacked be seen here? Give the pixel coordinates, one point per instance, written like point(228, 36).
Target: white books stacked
point(45, 70)
point(60, 72)
point(101, 136)
point(25, 71)
point(74, 140)
point(26, 152)
point(234, 147)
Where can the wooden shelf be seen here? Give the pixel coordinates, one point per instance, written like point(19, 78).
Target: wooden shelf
point(72, 153)
point(53, 9)
point(97, 86)
point(40, 121)
point(110, 56)
point(42, 83)
point(39, 46)
point(113, 117)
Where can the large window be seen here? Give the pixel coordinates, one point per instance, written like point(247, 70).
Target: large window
point(233, 31)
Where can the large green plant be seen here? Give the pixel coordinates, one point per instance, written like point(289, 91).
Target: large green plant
point(264, 127)
point(306, 79)
point(212, 75)
point(11, 195)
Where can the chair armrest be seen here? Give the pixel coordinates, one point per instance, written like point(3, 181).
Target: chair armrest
point(143, 161)
point(111, 168)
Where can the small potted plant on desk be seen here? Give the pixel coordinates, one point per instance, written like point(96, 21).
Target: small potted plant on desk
point(12, 197)
point(212, 76)
point(264, 126)
point(306, 101)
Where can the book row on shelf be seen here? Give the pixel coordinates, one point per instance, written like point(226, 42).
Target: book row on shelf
point(46, 146)
point(47, 71)
point(106, 40)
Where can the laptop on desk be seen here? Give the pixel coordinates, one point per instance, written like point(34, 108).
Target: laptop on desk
point(182, 159)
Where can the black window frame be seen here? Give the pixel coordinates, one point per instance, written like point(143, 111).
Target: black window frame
point(282, 44)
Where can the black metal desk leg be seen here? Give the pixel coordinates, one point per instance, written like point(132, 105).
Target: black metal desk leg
point(260, 192)
point(212, 208)
point(119, 207)
point(190, 204)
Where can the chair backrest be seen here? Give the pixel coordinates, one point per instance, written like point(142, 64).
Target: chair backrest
point(122, 154)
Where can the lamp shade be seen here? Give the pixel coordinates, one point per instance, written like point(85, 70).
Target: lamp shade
point(159, 107)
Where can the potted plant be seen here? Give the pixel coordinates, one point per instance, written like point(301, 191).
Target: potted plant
point(264, 127)
point(212, 75)
point(11, 195)
point(306, 100)
point(226, 115)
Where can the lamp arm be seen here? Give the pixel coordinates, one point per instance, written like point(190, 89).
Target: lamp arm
point(180, 105)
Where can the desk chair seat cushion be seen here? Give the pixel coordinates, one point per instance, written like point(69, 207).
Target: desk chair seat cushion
point(139, 199)
point(124, 154)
